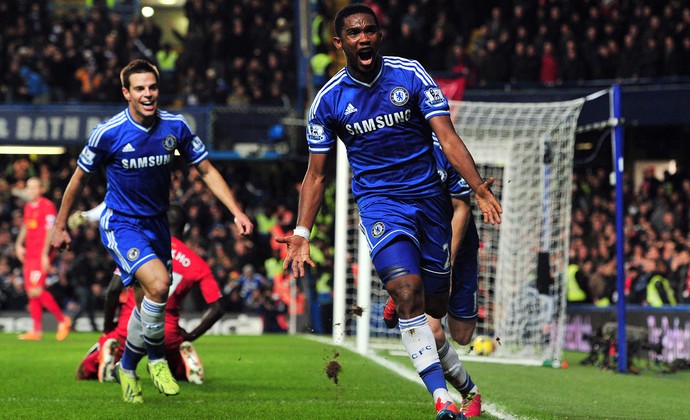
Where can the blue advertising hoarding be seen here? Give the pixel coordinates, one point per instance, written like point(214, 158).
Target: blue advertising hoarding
point(70, 125)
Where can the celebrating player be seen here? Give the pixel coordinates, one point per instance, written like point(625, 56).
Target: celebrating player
point(462, 305)
point(33, 250)
point(385, 110)
point(136, 147)
point(188, 270)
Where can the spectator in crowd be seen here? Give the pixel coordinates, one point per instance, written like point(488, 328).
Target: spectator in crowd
point(572, 65)
point(89, 78)
point(659, 289)
point(167, 60)
point(524, 64)
point(272, 311)
point(250, 282)
point(460, 63)
point(548, 72)
point(629, 59)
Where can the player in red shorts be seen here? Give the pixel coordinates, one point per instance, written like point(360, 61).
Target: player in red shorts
point(33, 251)
point(188, 270)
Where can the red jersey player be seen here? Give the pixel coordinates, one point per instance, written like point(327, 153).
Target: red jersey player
point(33, 251)
point(188, 270)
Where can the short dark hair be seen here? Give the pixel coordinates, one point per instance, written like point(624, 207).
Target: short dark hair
point(135, 66)
point(349, 10)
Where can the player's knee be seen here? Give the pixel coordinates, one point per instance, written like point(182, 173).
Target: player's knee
point(461, 331)
point(407, 293)
point(158, 291)
point(462, 338)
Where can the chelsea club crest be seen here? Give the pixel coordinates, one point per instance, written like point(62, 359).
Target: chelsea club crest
point(170, 142)
point(378, 229)
point(132, 254)
point(399, 96)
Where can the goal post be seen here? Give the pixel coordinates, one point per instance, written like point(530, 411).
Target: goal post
point(528, 149)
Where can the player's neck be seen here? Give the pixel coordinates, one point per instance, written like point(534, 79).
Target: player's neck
point(366, 76)
point(145, 121)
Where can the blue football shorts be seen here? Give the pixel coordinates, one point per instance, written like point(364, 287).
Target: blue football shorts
point(132, 241)
point(425, 222)
point(462, 304)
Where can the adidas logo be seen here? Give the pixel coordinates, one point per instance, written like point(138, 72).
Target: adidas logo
point(128, 148)
point(350, 109)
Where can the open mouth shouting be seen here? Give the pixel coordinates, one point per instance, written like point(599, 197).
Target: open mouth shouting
point(365, 57)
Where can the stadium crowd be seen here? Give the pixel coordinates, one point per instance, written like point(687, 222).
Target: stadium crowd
point(657, 246)
point(236, 53)
point(242, 52)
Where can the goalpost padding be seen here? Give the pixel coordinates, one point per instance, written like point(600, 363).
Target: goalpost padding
point(528, 149)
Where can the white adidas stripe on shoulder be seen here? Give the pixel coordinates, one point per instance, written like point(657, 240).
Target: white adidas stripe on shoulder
point(335, 81)
point(411, 65)
point(101, 128)
point(168, 116)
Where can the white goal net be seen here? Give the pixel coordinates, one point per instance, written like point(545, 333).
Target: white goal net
point(528, 149)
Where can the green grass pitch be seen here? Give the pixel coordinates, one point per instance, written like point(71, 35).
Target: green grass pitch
point(284, 377)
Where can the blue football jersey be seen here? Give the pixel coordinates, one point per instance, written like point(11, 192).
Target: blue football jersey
point(384, 126)
point(138, 159)
point(454, 183)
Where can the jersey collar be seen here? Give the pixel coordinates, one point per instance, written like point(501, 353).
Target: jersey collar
point(139, 126)
point(363, 83)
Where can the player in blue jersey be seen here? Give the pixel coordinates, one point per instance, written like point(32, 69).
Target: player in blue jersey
point(136, 148)
point(462, 305)
point(385, 110)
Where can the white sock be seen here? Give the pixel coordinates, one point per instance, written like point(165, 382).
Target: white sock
point(454, 371)
point(419, 342)
point(153, 323)
point(134, 329)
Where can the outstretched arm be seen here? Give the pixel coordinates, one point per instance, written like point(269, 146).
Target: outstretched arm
point(59, 238)
point(310, 200)
point(463, 162)
point(215, 182)
point(212, 314)
point(112, 302)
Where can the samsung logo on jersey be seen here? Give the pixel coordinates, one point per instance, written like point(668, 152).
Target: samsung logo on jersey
point(388, 120)
point(146, 162)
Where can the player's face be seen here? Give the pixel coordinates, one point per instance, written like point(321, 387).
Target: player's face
point(33, 189)
point(142, 96)
point(360, 40)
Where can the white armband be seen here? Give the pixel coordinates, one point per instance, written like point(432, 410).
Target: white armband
point(302, 231)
